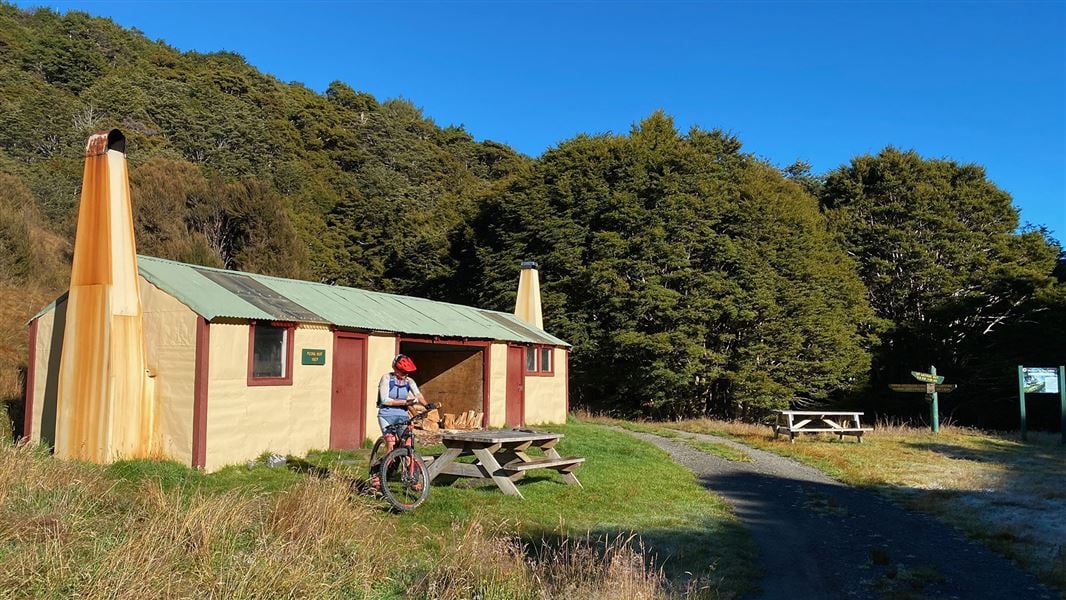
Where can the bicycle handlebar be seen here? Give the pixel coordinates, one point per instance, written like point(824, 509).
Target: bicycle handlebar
point(429, 408)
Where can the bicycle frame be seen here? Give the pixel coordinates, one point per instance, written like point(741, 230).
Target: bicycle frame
point(404, 433)
point(411, 469)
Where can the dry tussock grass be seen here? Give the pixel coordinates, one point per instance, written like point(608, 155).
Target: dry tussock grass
point(599, 569)
point(495, 564)
point(67, 530)
point(77, 533)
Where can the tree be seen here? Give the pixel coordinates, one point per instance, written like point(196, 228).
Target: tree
point(690, 277)
point(938, 247)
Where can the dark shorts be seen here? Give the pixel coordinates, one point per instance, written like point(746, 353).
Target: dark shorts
point(391, 416)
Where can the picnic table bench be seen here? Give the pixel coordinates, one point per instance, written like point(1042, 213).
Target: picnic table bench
point(501, 456)
point(840, 422)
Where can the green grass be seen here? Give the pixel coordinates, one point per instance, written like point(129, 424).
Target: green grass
point(633, 497)
point(628, 486)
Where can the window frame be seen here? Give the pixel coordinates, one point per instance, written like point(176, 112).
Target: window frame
point(551, 360)
point(538, 349)
point(290, 343)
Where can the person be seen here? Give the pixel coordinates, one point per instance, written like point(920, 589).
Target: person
point(396, 392)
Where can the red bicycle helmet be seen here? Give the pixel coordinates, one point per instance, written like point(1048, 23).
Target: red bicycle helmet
point(403, 363)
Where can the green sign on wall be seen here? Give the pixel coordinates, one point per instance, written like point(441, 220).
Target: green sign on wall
point(313, 356)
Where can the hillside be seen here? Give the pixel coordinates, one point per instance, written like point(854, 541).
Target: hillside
point(229, 167)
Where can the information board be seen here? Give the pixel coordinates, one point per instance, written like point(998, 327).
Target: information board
point(1040, 380)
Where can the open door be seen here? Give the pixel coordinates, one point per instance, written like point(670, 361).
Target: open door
point(516, 385)
point(347, 426)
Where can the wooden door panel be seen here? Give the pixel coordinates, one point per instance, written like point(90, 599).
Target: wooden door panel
point(347, 427)
point(516, 392)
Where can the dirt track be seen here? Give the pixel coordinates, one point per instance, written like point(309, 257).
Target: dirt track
point(819, 538)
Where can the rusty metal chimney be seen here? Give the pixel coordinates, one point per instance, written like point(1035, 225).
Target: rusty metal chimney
point(527, 307)
point(105, 405)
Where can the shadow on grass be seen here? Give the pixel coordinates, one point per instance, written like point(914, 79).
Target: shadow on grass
point(688, 557)
point(994, 451)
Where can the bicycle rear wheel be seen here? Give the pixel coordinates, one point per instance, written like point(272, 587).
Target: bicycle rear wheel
point(404, 479)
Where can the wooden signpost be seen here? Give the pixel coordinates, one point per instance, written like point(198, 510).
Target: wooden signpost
point(932, 385)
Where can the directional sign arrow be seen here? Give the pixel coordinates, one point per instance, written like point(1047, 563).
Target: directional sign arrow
point(922, 388)
point(927, 377)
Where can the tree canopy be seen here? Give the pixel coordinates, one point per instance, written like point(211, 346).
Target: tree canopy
point(691, 277)
point(939, 249)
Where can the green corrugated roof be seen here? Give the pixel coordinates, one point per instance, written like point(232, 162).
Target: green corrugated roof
point(215, 293)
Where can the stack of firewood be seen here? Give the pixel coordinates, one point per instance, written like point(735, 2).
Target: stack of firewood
point(470, 419)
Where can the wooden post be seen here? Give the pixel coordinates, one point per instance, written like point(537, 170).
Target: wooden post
point(484, 455)
point(934, 407)
point(1062, 400)
point(1021, 402)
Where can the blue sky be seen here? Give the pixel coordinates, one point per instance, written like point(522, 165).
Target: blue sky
point(976, 82)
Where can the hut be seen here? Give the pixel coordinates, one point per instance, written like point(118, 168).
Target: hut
point(212, 367)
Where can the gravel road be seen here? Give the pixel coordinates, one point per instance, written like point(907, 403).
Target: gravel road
point(819, 538)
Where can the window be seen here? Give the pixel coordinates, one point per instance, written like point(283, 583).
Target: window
point(270, 354)
point(545, 360)
point(539, 360)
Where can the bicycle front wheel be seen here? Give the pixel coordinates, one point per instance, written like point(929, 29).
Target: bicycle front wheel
point(404, 479)
point(376, 453)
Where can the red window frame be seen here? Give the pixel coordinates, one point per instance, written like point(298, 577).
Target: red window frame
point(290, 342)
point(538, 349)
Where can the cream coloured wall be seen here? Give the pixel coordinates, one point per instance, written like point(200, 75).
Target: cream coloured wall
point(245, 421)
point(380, 350)
point(546, 396)
point(498, 385)
point(42, 352)
point(170, 345)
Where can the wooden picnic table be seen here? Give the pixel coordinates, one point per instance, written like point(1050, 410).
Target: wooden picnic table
point(502, 457)
point(840, 422)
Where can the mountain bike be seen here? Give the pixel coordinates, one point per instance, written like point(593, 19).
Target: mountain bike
point(402, 475)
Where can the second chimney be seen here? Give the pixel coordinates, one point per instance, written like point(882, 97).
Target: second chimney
point(527, 307)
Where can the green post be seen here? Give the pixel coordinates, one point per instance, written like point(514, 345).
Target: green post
point(1062, 399)
point(934, 408)
point(1021, 401)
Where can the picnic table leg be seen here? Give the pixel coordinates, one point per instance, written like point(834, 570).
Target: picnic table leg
point(434, 468)
point(489, 462)
point(568, 477)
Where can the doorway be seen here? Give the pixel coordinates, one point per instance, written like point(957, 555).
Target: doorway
point(516, 385)
point(451, 372)
point(347, 424)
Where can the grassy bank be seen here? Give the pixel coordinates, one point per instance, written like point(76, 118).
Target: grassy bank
point(640, 527)
point(1006, 493)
